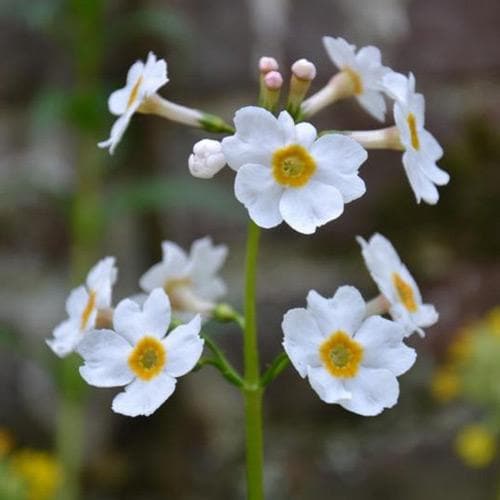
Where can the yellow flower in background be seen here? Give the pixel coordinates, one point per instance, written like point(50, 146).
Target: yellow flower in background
point(493, 321)
point(476, 446)
point(39, 471)
point(6, 442)
point(460, 349)
point(445, 384)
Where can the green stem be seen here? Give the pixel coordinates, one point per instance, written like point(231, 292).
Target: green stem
point(222, 363)
point(279, 364)
point(252, 390)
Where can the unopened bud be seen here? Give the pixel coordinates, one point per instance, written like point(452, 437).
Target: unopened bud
point(207, 159)
point(304, 69)
point(267, 64)
point(273, 80)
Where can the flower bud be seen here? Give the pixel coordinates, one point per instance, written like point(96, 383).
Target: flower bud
point(207, 159)
point(304, 69)
point(273, 80)
point(267, 64)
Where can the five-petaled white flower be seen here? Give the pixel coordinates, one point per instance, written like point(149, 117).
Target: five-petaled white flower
point(397, 285)
point(138, 355)
point(285, 173)
point(190, 281)
point(143, 80)
point(349, 360)
point(83, 306)
point(365, 72)
point(422, 151)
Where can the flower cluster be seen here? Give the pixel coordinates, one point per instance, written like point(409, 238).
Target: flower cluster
point(129, 345)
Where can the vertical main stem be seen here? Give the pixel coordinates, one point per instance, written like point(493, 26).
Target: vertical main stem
point(252, 389)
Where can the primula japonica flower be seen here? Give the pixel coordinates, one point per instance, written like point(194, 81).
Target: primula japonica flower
point(285, 173)
point(422, 151)
point(206, 159)
point(397, 285)
point(190, 281)
point(85, 305)
point(143, 80)
point(349, 360)
point(360, 76)
point(139, 355)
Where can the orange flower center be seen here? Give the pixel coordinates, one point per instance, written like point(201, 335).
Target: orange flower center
point(89, 307)
point(341, 355)
point(412, 125)
point(292, 166)
point(405, 292)
point(134, 92)
point(148, 358)
point(357, 83)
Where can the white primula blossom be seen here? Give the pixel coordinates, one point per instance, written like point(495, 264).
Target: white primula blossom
point(83, 306)
point(191, 281)
point(284, 172)
point(143, 80)
point(365, 71)
point(397, 285)
point(207, 159)
point(139, 355)
point(349, 360)
point(422, 151)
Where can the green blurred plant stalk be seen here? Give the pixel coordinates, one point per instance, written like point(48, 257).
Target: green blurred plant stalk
point(84, 22)
point(252, 388)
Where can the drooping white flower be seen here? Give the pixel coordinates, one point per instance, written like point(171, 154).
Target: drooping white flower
point(284, 172)
point(349, 360)
point(207, 159)
point(191, 281)
point(83, 306)
point(397, 285)
point(138, 355)
point(422, 151)
point(360, 75)
point(143, 80)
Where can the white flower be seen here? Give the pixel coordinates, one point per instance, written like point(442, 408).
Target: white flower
point(83, 306)
point(397, 285)
point(143, 80)
point(349, 360)
point(421, 148)
point(190, 281)
point(365, 70)
point(285, 173)
point(207, 159)
point(138, 355)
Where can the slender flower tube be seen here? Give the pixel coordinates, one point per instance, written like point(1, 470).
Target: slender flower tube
point(360, 76)
point(349, 360)
point(397, 285)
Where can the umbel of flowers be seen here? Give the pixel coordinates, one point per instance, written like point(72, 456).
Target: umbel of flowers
point(352, 351)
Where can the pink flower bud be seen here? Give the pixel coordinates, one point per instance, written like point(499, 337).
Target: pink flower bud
point(304, 69)
point(267, 64)
point(273, 80)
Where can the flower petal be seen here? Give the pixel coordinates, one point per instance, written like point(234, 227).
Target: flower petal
point(117, 130)
point(258, 135)
point(206, 259)
point(144, 397)
point(101, 279)
point(372, 390)
point(302, 339)
point(344, 311)
point(423, 188)
point(118, 101)
point(184, 347)
point(76, 302)
point(330, 389)
point(373, 101)
point(338, 159)
point(383, 346)
point(340, 52)
point(306, 134)
point(256, 188)
point(65, 338)
point(307, 208)
point(106, 359)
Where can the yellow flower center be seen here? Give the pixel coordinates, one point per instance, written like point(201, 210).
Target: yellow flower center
point(341, 355)
point(357, 83)
point(134, 92)
point(412, 125)
point(293, 166)
point(148, 358)
point(405, 292)
point(89, 307)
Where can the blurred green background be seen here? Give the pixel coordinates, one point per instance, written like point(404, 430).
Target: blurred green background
point(64, 204)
